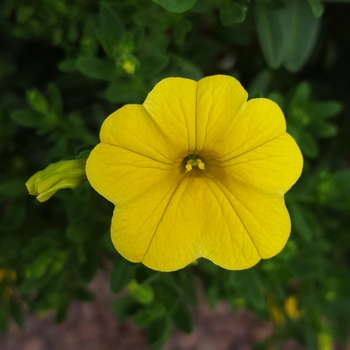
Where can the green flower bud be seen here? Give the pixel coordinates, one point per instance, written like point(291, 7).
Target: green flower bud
point(128, 63)
point(64, 174)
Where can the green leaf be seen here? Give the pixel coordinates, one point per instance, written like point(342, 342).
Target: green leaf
point(301, 94)
point(305, 141)
point(125, 92)
point(67, 66)
point(55, 99)
point(24, 13)
point(143, 317)
point(324, 110)
point(182, 318)
point(270, 36)
point(111, 25)
point(260, 84)
point(324, 130)
point(300, 222)
point(124, 308)
point(300, 29)
point(37, 101)
point(316, 7)
point(181, 30)
point(122, 273)
point(142, 293)
point(158, 332)
point(250, 281)
point(231, 12)
point(286, 35)
point(205, 6)
point(176, 6)
point(152, 65)
point(96, 68)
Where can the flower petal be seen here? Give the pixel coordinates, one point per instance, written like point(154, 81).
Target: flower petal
point(263, 220)
point(219, 99)
point(171, 233)
point(128, 175)
point(271, 168)
point(172, 106)
point(132, 128)
point(254, 123)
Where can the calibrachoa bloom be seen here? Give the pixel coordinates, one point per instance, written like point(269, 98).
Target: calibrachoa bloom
point(197, 171)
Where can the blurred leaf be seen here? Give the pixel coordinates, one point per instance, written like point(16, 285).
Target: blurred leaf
point(181, 30)
point(300, 222)
point(286, 35)
point(24, 13)
point(122, 273)
point(182, 318)
point(176, 6)
point(205, 6)
point(125, 92)
point(37, 101)
point(316, 7)
point(251, 284)
point(232, 12)
point(138, 33)
point(260, 84)
point(152, 65)
point(300, 29)
point(112, 29)
point(158, 332)
point(55, 99)
point(143, 317)
point(27, 118)
point(68, 66)
point(143, 293)
point(323, 129)
point(96, 68)
point(124, 308)
point(270, 35)
point(305, 141)
point(324, 110)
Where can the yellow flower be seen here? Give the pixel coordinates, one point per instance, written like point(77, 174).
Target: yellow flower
point(197, 171)
point(291, 307)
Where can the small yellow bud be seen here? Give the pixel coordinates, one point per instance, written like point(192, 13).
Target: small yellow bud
point(128, 63)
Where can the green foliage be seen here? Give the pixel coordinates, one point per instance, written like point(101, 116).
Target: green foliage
point(66, 65)
point(287, 34)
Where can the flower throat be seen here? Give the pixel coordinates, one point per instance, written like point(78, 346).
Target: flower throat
point(193, 161)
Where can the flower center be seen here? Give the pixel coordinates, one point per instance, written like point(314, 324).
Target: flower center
point(193, 161)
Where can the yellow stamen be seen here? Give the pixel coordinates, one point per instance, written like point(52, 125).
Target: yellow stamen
point(194, 163)
point(201, 165)
point(189, 165)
